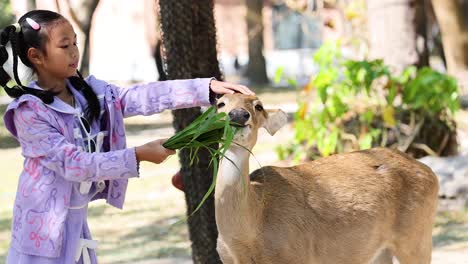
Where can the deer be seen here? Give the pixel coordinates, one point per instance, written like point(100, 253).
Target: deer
point(367, 206)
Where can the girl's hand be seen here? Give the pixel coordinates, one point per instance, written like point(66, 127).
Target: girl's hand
point(153, 151)
point(229, 88)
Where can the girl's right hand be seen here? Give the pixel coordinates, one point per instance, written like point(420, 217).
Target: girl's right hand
point(153, 151)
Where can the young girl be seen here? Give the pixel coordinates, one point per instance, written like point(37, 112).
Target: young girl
point(72, 137)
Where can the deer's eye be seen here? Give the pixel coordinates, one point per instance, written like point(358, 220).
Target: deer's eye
point(259, 108)
point(220, 105)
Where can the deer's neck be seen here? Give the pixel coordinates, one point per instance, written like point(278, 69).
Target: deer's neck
point(233, 175)
point(232, 196)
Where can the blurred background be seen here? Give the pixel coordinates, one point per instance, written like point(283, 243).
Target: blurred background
point(351, 74)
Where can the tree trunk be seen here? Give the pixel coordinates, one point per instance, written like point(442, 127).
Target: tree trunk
point(256, 68)
point(397, 32)
point(82, 13)
point(452, 16)
point(31, 5)
point(436, 48)
point(189, 39)
point(84, 68)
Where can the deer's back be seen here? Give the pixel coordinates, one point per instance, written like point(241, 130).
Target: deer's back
point(360, 194)
point(358, 181)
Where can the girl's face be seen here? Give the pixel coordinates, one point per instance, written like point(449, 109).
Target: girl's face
point(61, 58)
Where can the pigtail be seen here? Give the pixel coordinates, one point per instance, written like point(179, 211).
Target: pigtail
point(11, 35)
point(4, 77)
point(27, 33)
point(14, 47)
point(5, 37)
point(94, 108)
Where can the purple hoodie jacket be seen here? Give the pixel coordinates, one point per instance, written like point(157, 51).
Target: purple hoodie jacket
point(53, 164)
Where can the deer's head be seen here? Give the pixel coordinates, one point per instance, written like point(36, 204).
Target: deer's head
point(248, 112)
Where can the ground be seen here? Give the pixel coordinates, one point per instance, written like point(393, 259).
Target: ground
point(148, 230)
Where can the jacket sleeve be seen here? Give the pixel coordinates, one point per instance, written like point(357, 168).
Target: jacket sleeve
point(42, 140)
point(155, 97)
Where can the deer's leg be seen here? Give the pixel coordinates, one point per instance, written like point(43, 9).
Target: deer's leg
point(415, 253)
point(385, 257)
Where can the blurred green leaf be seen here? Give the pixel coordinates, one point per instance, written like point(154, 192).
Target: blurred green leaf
point(360, 99)
point(292, 82)
point(278, 74)
point(6, 14)
point(328, 143)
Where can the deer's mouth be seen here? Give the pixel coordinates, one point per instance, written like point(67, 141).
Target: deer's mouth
point(239, 126)
point(236, 125)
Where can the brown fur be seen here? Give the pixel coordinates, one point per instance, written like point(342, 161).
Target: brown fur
point(360, 207)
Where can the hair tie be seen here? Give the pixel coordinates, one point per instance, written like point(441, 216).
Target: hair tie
point(33, 24)
point(17, 27)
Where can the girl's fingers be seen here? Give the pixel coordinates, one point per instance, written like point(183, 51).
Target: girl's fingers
point(222, 90)
point(247, 90)
point(240, 88)
point(243, 90)
point(170, 151)
point(224, 87)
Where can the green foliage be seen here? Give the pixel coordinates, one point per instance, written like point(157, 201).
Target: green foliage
point(432, 92)
point(355, 103)
point(207, 130)
point(6, 15)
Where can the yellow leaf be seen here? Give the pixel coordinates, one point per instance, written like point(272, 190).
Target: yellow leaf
point(308, 87)
point(351, 14)
point(389, 116)
point(303, 111)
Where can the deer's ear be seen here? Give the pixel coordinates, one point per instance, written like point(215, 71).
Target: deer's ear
point(276, 119)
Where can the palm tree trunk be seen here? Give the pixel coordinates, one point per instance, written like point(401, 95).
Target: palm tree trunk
point(189, 39)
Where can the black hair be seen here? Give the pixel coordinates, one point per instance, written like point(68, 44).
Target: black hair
point(27, 38)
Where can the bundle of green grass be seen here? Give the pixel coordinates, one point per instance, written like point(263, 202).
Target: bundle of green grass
point(206, 131)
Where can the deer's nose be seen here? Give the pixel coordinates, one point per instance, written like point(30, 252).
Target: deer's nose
point(239, 116)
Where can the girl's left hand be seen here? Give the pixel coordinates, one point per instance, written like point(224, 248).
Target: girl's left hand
point(229, 88)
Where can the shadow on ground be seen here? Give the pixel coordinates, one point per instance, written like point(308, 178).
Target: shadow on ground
point(8, 142)
point(136, 128)
point(158, 239)
point(451, 227)
point(5, 224)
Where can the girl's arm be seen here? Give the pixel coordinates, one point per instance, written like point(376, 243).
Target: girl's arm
point(45, 144)
point(155, 97)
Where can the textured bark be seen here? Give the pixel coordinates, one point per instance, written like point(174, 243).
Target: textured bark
point(189, 38)
point(398, 32)
point(82, 13)
point(256, 68)
point(452, 16)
